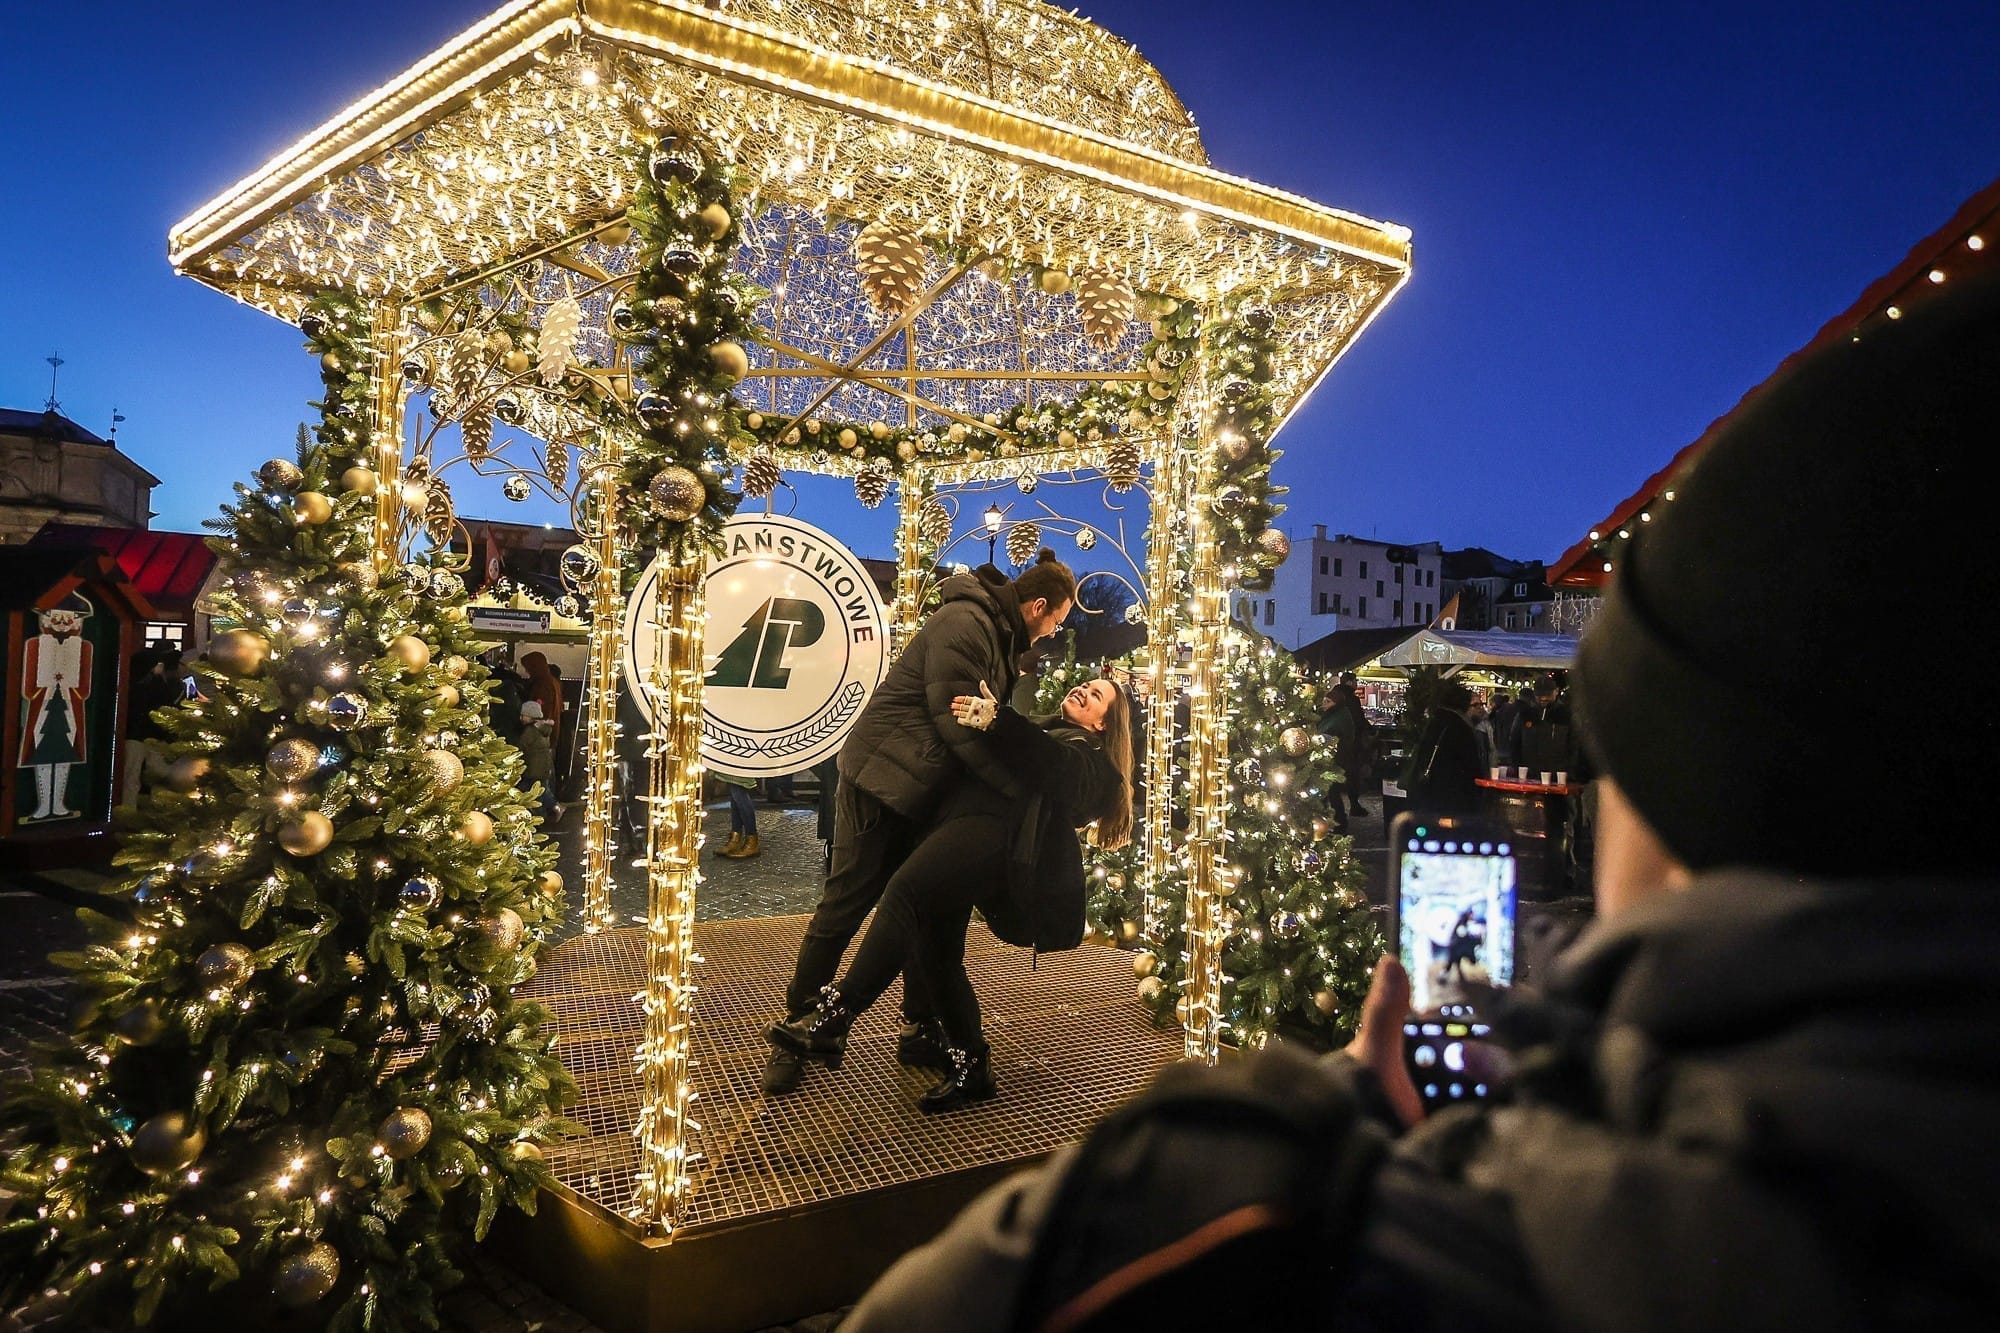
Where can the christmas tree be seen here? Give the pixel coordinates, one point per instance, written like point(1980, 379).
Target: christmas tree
point(1302, 939)
point(300, 1064)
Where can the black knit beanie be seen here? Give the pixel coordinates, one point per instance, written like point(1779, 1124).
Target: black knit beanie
point(1782, 674)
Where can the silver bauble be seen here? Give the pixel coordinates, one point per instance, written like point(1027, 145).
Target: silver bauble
point(447, 586)
point(225, 966)
point(420, 893)
point(280, 474)
point(568, 607)
point(1086, 538)
point(291, 760)
point(1135, 614)
point(516, 488)
point(579, 565)
point(346, 711)
point(677, 494)
point(1295, 740)
point(1287, 925)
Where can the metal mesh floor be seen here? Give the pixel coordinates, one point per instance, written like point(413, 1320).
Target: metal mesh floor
point(1068, 1043)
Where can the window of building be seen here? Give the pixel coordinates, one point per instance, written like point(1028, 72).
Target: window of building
point(1520, 590)
point(1336, 566)
point(1399, 608)
point(1399, 573)
point(1322, 564)
point(1322, 603)
point(1364, 569)
point(1363, 611)
point(1510, 620)
point(1378, 588)
point(1270, 611)
point(165, 631)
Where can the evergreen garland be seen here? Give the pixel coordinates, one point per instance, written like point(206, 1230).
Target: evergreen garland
point(300, 1061)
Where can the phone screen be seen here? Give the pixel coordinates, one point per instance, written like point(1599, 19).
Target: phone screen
point(1455, 901)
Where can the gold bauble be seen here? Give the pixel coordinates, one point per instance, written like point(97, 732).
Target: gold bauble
point(307, 1275)
point(616, 234)
point(404, 1132)
point(476, 828)
point(1128, 932)
point(526, 1150)
point(186, 774)
point(168, 1144)
point(1145, 963)
point(754, 420)
point(517, 362)
point(311, 833)
point(716, 218)
point(446, 696)
point(411, 651)
point(312, 508)
point(729, 359)
point(292, 759)
point(1320, 828)
point(444, 770)
point(361, 573)
point(1150, 988)
point(225, 966)
point(848, 439)
point(1326, 1002)
point(360, 480)
point(142, 1024)
point(239, 652)
point(1295, 740)
point(677, 494)
point(456, 667)
point(1181, 1010)
point(491, 940)
point(550, 883)
point(330, 363)
point(1054, 281)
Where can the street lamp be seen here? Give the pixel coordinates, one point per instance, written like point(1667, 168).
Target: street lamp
point(994, 517)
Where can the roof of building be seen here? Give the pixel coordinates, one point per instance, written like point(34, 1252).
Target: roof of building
point(1347, 648)
point(1968, 243)
point(15, 421)
point(168, 568)
point(32, 578)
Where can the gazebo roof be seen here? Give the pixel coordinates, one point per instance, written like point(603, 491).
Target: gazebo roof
point(1004, 127)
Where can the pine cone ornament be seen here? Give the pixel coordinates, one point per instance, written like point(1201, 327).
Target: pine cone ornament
point(1105, 302)
point(871, 485)
point(558, 339)
point(555, 464)
point(478, 431)
point(1121, 465)
point(936, 521)
point(891, 263)
point(761, 474)
point(439, 515)
point(466, 369)
point(1023, 540)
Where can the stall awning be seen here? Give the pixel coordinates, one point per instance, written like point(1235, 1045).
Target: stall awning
point(167, 568)
point(1485, 648)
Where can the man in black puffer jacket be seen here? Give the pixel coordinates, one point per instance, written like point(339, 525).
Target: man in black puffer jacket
point(1761, 1090)
point(904, 751)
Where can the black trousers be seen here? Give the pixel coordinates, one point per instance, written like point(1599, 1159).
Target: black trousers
point(919, 927)
point(870, 843)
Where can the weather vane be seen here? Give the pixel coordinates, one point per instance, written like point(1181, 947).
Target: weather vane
point(55, 364)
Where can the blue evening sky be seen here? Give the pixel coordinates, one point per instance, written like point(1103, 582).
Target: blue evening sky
point(1624, 216)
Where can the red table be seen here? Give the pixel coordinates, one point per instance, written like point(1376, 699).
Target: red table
point(1539, 816)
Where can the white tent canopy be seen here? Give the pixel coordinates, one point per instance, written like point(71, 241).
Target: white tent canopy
point(1483, 648)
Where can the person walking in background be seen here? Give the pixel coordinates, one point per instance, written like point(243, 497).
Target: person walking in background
point(742, 842)
point(504, 686)
point(155, 685)
point(539, 685)
point(1443, 771)
point(1482, 728)
point(1503, 721)
point(903, 753)
point(1336, 723)
point(1366, 743)
point(537, 758)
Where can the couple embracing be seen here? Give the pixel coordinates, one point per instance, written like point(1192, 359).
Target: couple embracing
point(946, 803)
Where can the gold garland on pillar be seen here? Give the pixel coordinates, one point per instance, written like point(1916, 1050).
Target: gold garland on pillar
point(1208, 753)
point(385, 431)
point(607, 615)
point(1165, 608)
point(673, 848)
point(904, 617)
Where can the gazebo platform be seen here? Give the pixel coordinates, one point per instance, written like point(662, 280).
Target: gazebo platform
point(797, 1203)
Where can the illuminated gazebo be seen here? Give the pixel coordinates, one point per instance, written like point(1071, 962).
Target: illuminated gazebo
point(926, 244)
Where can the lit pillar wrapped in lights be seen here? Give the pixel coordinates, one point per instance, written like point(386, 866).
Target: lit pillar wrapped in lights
point(913, 492)
point(385, 431)
point(607, 613)
point(1208, 746)
point(1164, 617)
point(673, 846)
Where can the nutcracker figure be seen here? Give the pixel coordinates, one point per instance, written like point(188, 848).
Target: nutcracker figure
point(55, 682)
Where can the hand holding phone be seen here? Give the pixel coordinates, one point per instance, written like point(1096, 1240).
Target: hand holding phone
point(1454, 927)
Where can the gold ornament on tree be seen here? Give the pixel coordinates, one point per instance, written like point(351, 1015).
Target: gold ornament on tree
point(1106, 304)
point(729, 359)
point(677, 494)
point(1023, 540)
point(443, 770)
point(871, 485)
point(891, 262)
point(558, 339)
point(491, 940)
point(404, 1132)
point(1295, 740)
point(309, 834)
point(1274, 545)
point(293, 759)
point(1121, 465)
point(1145, 963)
point(306, 1276)
point(168, 1144)
point(476, 828)
point(239, 652)
point(411, 651)
point(761, 474)
point(360, 480)
point(1326, 1002)
point(225, 966)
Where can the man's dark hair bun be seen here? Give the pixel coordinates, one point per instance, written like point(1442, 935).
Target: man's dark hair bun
point(1047, 555)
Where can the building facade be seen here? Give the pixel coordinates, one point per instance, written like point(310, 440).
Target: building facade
point(53, 470)
point(1343, 582)
point(1494, 592)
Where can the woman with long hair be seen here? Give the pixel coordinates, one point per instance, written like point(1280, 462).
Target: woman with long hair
point(1014, 855)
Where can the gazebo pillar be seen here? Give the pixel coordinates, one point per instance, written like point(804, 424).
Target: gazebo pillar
point(913, 492)
point(385, 429)
point(607, 615)
point(673, 846)
point(1208, 741)
point(1162, 633)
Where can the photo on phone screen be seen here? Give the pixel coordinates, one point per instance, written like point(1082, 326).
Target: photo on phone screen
point(1455, 897)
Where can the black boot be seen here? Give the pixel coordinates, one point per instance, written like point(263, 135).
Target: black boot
point(924, 1044)
point(820, 1035)
point(970, 1080)
point(783, 1071)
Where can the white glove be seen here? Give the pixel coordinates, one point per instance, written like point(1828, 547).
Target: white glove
point(976, 713)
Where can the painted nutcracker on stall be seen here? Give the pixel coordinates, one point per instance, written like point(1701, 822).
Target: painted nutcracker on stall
point(55, 687)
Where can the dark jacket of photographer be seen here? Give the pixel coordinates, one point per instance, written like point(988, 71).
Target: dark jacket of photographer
point(906, 747)
point(1762, 1103)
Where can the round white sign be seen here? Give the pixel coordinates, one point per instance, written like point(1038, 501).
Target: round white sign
point(796, 642)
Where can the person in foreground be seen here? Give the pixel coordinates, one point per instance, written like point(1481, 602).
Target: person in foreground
point(1760, 1091)
point(1014, 857)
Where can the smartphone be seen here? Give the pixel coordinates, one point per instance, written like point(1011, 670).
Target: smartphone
point(1454, 926)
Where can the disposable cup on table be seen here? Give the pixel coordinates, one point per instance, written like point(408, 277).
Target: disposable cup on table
point(1548, 779)
point(1562, 778)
